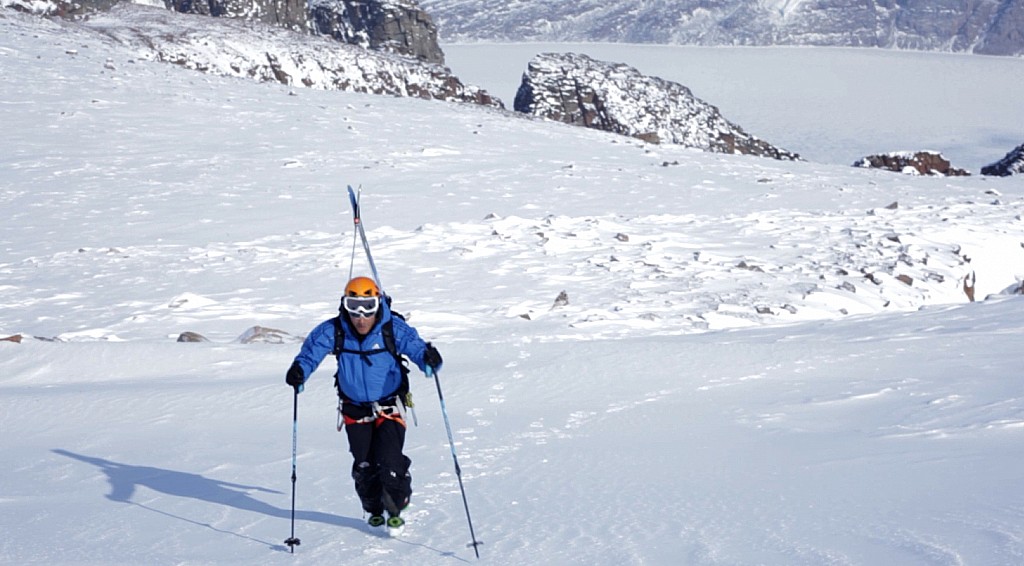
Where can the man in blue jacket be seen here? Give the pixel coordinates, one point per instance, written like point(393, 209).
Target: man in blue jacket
point(368, 340)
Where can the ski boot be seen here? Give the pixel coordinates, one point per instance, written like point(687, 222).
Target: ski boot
point(396, 526)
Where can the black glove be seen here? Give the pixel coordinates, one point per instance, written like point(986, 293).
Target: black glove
point(295, 376)
point(432, 357)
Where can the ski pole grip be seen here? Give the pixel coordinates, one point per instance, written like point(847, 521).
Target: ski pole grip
point(430, 371)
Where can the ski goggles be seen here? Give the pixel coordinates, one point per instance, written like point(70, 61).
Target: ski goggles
point(363, 307)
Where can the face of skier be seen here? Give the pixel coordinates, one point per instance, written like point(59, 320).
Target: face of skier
point(362, 324)
point(362, 311)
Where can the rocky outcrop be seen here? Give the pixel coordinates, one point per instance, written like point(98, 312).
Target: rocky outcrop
point(264, 335)
point(1011, 164)
point(919, 163)
point(576, 89)
point(394, 26)
point(192, 337)
point(270, 53)
point(991, 27)
point(289, 14)
point(1015, 289)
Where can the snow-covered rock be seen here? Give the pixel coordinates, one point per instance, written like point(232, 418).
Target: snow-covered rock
point(576, 89)
point(270, 53)
point(1011, 164)
point(262, 334)
point(912, 163)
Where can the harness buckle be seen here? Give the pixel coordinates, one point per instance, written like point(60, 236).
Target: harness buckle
point(378, 414)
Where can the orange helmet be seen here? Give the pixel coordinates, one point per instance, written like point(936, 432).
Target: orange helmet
point(362, 287)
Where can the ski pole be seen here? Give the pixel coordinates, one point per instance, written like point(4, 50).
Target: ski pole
point(458, 470)
point(291, 541)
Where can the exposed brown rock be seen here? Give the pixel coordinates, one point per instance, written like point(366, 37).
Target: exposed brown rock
point(918, 163)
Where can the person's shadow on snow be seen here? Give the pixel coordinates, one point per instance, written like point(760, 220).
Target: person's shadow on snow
point(125, 478)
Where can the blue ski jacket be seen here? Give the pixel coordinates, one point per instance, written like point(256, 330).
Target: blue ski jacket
point(367, 372)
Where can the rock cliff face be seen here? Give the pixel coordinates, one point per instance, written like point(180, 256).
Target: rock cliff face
point(979, 26)
point(1011, 164)
point(392, 26)
point(395, 26)
point(289, 14)
point(578, 90)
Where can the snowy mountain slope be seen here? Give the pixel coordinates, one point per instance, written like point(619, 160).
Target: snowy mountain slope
point(678, 208)
point(976, 26)
point(634, 425)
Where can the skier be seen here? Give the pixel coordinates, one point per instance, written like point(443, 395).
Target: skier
point(368, 340)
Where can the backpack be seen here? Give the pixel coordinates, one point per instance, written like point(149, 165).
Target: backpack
point(388, 333)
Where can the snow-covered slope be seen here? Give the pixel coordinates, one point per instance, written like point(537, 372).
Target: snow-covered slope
point(637, 424)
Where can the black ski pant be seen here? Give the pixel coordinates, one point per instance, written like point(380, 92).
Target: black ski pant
point(379, 468)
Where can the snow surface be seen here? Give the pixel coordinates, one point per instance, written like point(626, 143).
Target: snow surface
point(738, 377)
